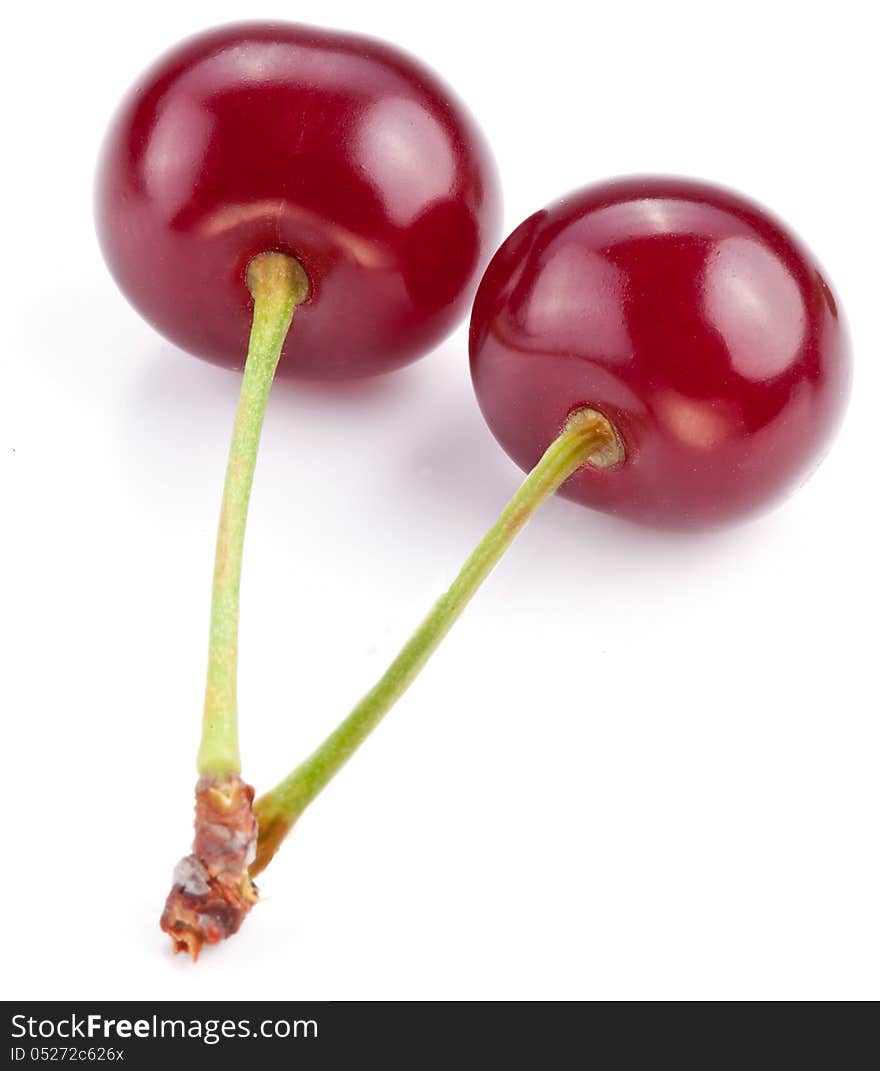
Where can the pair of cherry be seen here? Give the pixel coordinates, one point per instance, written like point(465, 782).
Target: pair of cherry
point(658, 348)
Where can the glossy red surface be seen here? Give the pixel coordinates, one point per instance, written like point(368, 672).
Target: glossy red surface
point(336, 148)
point(691, 318)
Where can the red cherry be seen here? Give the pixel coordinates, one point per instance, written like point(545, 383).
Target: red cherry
point(334, 148)
point(256, 171)
point(656, 347)
point(691, 318)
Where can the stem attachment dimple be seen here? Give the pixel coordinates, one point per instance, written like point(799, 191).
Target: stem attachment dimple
point(278, 283)
point(588, 437)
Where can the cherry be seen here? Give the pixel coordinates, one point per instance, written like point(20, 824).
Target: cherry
point(254, 171)
point(695, 321)
point(334, 148)
point(656, 347)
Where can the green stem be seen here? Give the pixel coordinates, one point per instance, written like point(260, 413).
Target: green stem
point(587, 436)
point(278, 284)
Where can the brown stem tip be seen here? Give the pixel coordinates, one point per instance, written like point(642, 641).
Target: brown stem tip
point(212, 892)
point(273, 825)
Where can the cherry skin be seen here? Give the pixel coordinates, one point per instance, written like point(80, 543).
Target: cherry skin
point(697, 323)
point(336, 149)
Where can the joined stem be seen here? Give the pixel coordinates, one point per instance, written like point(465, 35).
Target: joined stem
point(278, 284)
point(587, 437)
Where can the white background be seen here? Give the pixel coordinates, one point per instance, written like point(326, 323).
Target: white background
point(643, 766)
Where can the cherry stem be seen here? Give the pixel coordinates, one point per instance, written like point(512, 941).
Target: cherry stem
point(587, 437)
point(278, 284)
